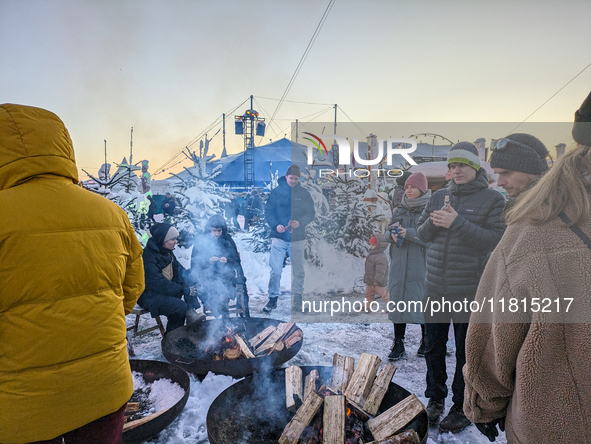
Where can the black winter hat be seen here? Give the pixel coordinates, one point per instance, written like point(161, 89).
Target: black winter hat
point(582, 126)
point(293, 170)
point(518, 158)
point(159, 231)
point(402, 179)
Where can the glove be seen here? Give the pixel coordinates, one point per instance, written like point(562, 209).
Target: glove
point(489, 429)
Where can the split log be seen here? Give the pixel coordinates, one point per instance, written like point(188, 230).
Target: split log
point(361, 414)
point(277, 335)
point(295, 337)
point(333, 431)
point(244, 347)
point(379, 389)
point(138, 422)
point(293, 386)
point(407, 437)
point(342, 369)
point(310, 382)
point(132, 407)
point(258, 339)
point(295, 427)
point(362, 379)
point(394, 419)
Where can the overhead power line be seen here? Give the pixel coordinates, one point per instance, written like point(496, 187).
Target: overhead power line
point(538, 108)
point(304, 56)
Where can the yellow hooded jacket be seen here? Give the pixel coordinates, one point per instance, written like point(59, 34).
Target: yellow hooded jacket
point(70, 269)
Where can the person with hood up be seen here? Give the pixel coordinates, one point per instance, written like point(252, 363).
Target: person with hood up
point(464, 223)
point(70, 270)
point(408, 262)
point(216, 268)
point(376, 272)
point(288, 210)
point(168, 205)
point(165, 285)
point(528, 373)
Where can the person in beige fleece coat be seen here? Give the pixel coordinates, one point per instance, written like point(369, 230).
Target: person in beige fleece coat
point(529, 372)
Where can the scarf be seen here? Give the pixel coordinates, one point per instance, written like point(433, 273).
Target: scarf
point(418, 203)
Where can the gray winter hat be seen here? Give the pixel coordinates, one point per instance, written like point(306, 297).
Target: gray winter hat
point(517, 156)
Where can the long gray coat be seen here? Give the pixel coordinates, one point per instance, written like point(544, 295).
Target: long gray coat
point(407, 266)
point(376, 265)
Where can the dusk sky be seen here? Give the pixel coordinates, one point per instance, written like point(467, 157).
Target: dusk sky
point(171, 68)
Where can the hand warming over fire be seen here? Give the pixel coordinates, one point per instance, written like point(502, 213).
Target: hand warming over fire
point(213, 259)
point(223, 260)
point(281, 229)
point(295, 224)
point(444, 218)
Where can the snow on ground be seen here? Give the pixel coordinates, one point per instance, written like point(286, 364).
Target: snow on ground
point(371, 333)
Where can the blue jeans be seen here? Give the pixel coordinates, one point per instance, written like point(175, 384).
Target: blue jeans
point(295, 250)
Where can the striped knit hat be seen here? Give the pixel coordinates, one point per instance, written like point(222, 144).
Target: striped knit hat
point(464, 152)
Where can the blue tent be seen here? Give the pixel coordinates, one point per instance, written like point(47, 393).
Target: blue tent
point(268, 159)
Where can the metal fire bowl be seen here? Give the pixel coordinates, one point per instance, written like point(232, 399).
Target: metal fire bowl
point(236, 368)
point(252, 411)
point(151, 371)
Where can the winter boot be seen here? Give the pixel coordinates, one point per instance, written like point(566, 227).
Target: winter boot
point(397, 350)
point(421, 350)
point(271, 305)
point(435, 408)
point(455, 421)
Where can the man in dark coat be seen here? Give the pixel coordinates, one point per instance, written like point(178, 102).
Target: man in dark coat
point(165, 286)
point(168, 205)
point(253, 207)
point(289, 209)
point(463, 223)
point(216, 268)
point(520, 160)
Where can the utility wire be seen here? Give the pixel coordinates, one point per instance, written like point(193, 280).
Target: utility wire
point(347, 115)
point(294, 101)
point(304, 56)
point(167, 165)
point(584, 69)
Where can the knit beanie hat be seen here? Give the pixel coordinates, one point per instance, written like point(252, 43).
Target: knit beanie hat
point(373, 240)
point(162, 232)
point(464, 152)
point(582, 126)
point(293, 170)
point(418, 180)
point(518, 158)
point(402, 179)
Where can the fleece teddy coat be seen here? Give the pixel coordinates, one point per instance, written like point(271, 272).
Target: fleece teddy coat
point(70, 269)
point(536, 372)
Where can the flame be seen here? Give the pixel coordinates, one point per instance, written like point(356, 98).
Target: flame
point(348, 411)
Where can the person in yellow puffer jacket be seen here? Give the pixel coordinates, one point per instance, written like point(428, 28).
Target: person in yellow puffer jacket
point(70, 270)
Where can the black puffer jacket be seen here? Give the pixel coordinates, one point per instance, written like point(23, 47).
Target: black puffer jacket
point(286, 203)
point(157, 258)
point(457, 255)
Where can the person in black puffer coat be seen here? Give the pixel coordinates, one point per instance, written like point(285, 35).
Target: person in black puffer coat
point(462, 235)
point(216, 268)
point(165, 285)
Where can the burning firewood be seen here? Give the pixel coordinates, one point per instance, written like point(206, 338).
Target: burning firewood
point(232, 353)
point(407, 437)
point(295, 427)
point(342, 369)
point(334, 420)
point(243, 347)
point(258, 339)
point(293, 387)
point(275, 337)
point(362, 379)
point(379, 389)
point(394, 419)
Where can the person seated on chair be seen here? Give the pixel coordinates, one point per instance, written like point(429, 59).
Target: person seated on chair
point(165, 286)
point(216, 269)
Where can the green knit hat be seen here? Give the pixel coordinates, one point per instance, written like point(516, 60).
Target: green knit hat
point(464, 152)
